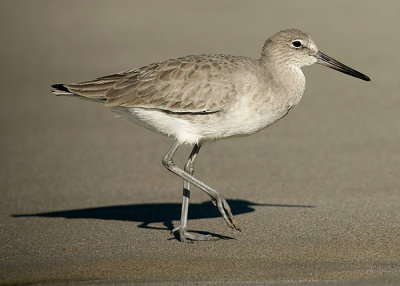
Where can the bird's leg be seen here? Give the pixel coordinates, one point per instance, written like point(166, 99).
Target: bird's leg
point(182, 228)
point(217, 199)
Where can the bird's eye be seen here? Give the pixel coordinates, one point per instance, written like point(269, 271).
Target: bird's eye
point(296, 44)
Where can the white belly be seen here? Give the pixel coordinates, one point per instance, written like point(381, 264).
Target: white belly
point(193, 128)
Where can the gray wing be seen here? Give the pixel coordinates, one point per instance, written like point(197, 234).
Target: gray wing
point(189, 84)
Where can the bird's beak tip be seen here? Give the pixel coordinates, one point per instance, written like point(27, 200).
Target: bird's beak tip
point(334, 64)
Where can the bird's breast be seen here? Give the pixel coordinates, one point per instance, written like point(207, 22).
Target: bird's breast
point(265, 103)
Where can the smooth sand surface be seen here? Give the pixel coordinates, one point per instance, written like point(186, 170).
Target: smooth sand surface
point(86, 200)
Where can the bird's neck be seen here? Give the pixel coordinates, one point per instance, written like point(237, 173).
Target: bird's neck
point(285, 83)
point(284, 76)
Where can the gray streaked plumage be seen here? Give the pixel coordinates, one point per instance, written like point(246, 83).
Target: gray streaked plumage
point(188, 84)
point(199, 98)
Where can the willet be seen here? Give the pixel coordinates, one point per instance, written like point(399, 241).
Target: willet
point(196, 99)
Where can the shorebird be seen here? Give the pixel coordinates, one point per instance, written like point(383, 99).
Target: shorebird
point(196, 99)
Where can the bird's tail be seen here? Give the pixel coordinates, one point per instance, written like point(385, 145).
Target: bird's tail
point(94, 89)
point(60, 89)
point(71, 90)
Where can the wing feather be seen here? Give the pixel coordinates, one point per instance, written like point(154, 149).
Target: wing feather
point(189, 84)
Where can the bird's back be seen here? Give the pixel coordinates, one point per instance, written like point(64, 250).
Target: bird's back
point(192, 84)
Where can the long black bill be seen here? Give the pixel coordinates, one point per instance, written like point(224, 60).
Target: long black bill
point(329, 62)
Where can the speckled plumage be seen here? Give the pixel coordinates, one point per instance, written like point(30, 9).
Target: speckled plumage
point(195, 84)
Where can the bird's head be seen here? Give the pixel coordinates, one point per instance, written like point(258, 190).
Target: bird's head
point(295, 48)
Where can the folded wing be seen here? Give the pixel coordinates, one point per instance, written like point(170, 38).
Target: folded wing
point(190, 84)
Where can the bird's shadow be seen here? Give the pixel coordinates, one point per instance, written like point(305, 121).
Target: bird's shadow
point(164, 213)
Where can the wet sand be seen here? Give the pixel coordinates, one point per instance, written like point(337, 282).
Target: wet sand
point(86, 200)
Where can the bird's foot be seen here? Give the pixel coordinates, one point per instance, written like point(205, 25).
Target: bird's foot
point(225, 211)
point(186, 236)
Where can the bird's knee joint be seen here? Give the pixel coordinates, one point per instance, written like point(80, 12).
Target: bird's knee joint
point(168, 163)
point(189, 168)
